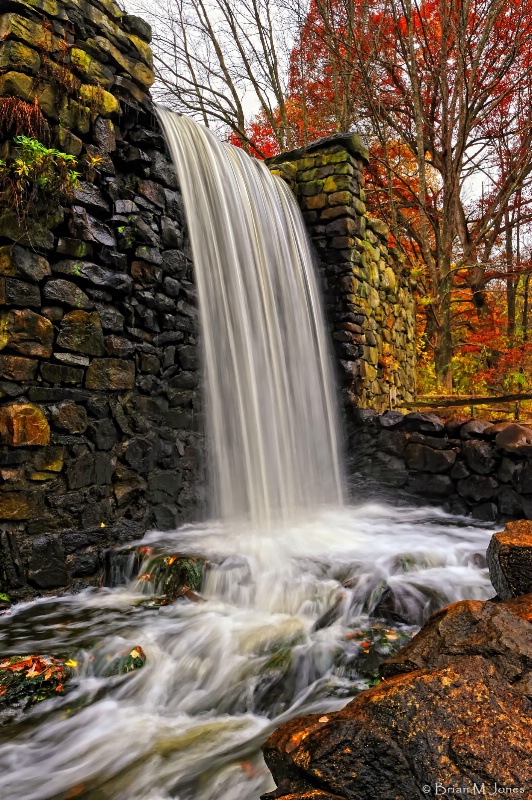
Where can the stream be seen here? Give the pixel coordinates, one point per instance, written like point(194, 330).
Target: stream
point(292, 619)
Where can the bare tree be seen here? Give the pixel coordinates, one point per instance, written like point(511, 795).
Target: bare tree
point(222, 61)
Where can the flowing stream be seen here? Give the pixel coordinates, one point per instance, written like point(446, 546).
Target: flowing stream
point(287, 626)
point(302, 596)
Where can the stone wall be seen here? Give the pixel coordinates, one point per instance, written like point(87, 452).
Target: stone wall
point(467, 466)
point(369, 302)
point(99, 411)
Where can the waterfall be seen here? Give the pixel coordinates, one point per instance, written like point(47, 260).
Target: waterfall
point(271, 415)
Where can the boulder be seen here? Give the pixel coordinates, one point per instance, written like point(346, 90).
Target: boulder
point(512, 437)
point(498, 631)
point(425, 459)
point(510, 560)
point(456, 726)
point(478, 456)
point(474, 429)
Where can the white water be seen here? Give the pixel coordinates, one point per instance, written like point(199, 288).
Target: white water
point(271, 412)
point(222, 674)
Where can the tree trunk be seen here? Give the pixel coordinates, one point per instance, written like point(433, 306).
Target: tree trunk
point(443, 350)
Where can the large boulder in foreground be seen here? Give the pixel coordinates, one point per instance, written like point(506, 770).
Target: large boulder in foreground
point(454, 710)
point(510, 560)
point(453, 727)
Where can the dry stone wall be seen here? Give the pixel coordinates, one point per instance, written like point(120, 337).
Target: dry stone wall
point(468, 466)
point(369, 302)
point(100, 432)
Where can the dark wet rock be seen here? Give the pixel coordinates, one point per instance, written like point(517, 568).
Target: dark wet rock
point(85, 564)
point(86, 227)
point(456, 726)
point(478, 456)
point(426, 423)
point(66, 292)
point(81, 331)
point(477, 487)
point(510, 502)
point(426, 459)
point(430, 485)
point(510, 560)
point(47, 569)
point(391, 419)
point(20, 262)
point(19, 293)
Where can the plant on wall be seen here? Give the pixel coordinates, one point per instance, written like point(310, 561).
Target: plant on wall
point(34, 174)
point(19, 118)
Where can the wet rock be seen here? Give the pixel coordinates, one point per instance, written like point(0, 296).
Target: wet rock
point(66, 292)
point(26, 333)
point(19, 262)
point(96, 274)
point(47, 568)
point(478, 456)
point(477, 487)
point(426, 423)
point(81, 331)
point(85, 564)
point(70, 417)
point(455, 726)
point(16, 368)
point(425, 459)
point(430, 485)
point(86, 227)
point(19, 293)
point(391, 419)
point(510, 502)
point(57, 373)
point(498, 632)
point(110, 374)
point(510, 560)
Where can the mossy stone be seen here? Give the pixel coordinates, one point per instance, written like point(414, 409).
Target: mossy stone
point(16, 55)
point(100, 102)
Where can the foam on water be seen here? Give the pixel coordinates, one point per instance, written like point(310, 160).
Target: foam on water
point(273, 638)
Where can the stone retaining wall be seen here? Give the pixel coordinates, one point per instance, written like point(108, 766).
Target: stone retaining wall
point(368, 298)
point(466, 466)
point(100, 434)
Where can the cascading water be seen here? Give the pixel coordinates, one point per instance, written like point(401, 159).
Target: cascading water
point(271, 414)
point(298, 605)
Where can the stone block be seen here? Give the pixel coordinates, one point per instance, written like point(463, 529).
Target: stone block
point(70, 417)
point(81, 332)
point(58, 374)
point(68, 293)
point(19, 293)
point(47, 568)
point(110, 374)
point(424, 459)
point(26, 333)
point(20, 505)
point(16, 368)
point(23, 425)
point(16, 261)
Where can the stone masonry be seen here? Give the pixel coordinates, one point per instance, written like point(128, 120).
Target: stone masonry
point(100, 434)
point(368, 298)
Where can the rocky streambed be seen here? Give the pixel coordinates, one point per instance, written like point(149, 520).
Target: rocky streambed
point(167, 686)
point(451, 715)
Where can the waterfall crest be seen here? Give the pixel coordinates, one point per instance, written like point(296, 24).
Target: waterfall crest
point(271, 412)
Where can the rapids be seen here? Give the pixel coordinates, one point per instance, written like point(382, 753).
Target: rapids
point(289, 624)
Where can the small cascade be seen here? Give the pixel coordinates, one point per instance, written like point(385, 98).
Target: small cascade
point(271, 416)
